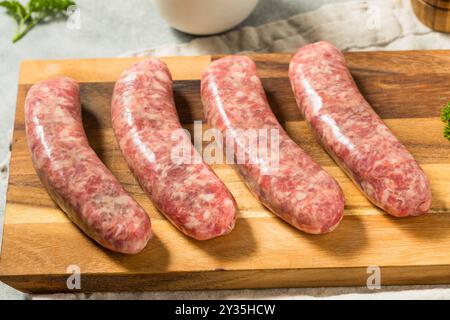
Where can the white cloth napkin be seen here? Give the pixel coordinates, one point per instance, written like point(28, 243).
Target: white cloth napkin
point(350, 293)
point(351, 26)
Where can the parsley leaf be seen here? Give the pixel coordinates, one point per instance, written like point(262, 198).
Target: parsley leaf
point(447, 131)
point(445, 113)
point(445, 117)
point(33, 13)
point(15, 9)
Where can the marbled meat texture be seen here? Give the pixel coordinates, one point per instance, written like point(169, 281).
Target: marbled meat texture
point(145, 120)
point(299, 191)
point(354, 135)
point(73, 174)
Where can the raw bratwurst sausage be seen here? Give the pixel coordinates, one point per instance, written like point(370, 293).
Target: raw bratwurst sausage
point(295, 188)
point(354, 135)
point(73, 174)
point(145, 122)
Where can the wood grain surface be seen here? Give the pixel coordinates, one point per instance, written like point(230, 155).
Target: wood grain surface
point(433, 13)
point(443, 4)
point(407, 89)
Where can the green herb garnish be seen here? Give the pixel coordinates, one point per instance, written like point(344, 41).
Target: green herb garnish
point(33, 13)
point(445, 116)
point(447, 131)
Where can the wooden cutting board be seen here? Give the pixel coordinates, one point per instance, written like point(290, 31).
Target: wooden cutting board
point(407, 89)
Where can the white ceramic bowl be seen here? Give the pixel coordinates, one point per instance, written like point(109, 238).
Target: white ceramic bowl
point(204, 17)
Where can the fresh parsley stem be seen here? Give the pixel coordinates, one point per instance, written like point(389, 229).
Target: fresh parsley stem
point(22, 31)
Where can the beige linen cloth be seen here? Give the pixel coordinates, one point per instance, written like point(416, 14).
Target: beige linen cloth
point(359, 25)
point(351, 26)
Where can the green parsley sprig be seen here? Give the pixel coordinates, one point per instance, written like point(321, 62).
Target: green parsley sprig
point(445, 116)
point(33, 13)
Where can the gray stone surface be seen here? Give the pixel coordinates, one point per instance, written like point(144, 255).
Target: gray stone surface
point(108, 28)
